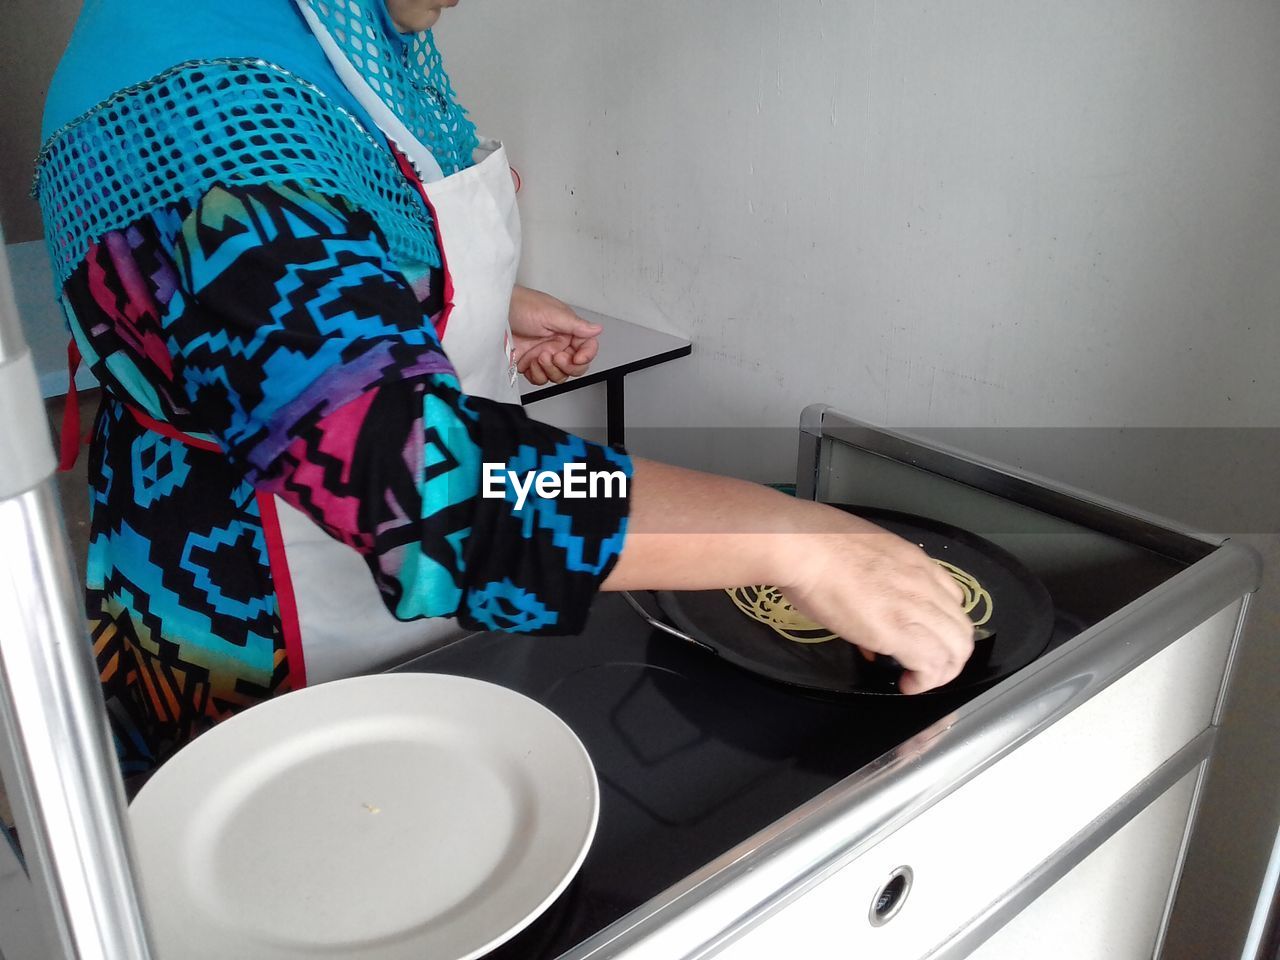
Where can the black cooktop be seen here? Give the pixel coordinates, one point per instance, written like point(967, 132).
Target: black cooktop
point(694, 755)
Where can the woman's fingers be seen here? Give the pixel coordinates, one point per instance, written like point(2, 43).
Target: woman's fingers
point(912, 682)
point(949, 608)
point(565, 321)
point(584, 351)
point(886, 596)
point(947, 580)
point(933, 647)
point(525, 361)
point(547, 367)
point(569, 365)
point(558, 357)
point(551, 369)
point(533, 372)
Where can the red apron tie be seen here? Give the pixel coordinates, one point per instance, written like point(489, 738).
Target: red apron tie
point(69, 442)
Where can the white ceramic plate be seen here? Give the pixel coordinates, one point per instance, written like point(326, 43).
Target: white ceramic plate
point(386, 817)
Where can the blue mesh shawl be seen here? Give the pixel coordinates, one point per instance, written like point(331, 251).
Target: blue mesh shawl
point(155, 102)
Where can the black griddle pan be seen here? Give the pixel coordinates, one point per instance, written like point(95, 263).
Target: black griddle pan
point(1021, 620)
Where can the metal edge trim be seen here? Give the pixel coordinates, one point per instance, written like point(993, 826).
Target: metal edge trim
point(808, 460)
point(26, 453)
point(1024, 487)
point(812, 418)
point(1071, 854)
point(1228, 674)
point(809, 451)
point(1197, 794)
point(12, 343)
point(789, 857)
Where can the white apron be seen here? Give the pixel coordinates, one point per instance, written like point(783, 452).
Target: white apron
point(335, 622)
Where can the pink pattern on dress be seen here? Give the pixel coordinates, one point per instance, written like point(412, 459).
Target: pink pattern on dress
point(137, 314)
point(305, 486)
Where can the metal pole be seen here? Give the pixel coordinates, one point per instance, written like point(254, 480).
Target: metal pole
point(61, 774)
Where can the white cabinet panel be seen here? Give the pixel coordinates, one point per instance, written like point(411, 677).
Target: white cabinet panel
point(1110, 906)
point(978, 842)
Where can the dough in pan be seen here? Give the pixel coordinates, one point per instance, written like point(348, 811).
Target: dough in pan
point(767, 605)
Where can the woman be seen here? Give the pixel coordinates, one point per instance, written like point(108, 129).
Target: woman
point(290, 262)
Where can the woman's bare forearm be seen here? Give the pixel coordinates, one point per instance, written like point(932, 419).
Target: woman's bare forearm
point(696, 531)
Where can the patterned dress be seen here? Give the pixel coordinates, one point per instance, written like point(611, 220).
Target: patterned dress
point(262, 341)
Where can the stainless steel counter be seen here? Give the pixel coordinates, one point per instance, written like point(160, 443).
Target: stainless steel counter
point(1148, 584)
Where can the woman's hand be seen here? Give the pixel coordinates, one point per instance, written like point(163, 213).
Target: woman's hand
point(552, 343)
point(697, 531)
point(883, 594)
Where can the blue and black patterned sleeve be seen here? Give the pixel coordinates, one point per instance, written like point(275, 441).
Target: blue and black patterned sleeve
point(300, 346)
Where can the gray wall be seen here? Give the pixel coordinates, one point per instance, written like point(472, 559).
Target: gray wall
point(937, 215)
point(34, 36)
point(30, 45)
point(934, 214)
point(929, 215)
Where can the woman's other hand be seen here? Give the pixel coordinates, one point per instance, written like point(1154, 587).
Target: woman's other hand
point(552, 343)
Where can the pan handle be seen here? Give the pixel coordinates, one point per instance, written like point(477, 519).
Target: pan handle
point(657, 624)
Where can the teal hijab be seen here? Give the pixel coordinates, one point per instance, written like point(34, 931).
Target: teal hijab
point(156, 101)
